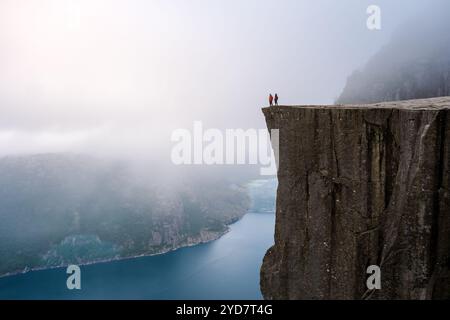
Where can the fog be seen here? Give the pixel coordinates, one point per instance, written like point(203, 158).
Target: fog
point(116, 77)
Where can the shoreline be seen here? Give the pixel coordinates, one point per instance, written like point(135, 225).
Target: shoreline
point(214, 237)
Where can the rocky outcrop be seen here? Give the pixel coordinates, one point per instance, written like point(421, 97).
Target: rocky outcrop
point(361, 185)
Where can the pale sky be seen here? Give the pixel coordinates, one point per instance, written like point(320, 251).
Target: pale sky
point(99, 74)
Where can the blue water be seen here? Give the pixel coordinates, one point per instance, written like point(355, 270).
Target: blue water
point(227, 268)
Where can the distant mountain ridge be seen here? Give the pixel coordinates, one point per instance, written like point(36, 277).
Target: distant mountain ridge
point(415, 65)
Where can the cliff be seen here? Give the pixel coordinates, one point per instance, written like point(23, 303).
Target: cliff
point(361, 185)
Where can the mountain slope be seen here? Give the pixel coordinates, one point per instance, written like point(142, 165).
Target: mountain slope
point(58, 209)
point(415, 65)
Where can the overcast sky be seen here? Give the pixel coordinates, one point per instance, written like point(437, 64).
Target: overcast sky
point(95, 74)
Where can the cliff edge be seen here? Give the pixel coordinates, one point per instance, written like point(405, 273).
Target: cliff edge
point(361, 185)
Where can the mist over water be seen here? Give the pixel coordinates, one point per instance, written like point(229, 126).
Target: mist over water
point(116, 78)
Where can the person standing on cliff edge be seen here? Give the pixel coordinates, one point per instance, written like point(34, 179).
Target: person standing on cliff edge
point(276, 99)
point(271, 99)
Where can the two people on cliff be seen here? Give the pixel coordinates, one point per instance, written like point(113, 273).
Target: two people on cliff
point(273, 99)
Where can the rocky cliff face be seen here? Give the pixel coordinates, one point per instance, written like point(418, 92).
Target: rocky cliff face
point(361, 185)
